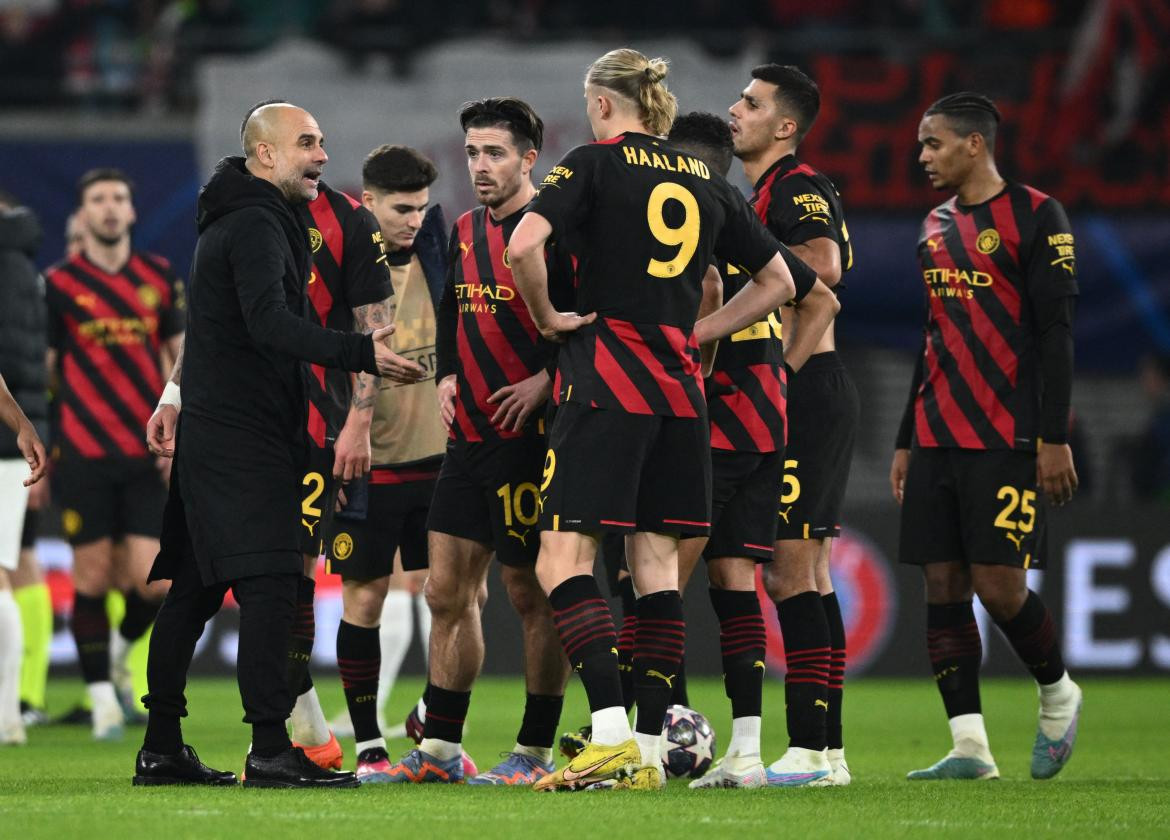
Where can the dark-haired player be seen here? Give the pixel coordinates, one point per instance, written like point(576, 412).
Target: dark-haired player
point(746, 406)
point(385, 514)
point(802, 208)
point(493, 385)
point(629, 450)
point(985, 429)
point(116, 319)
point(350, 290)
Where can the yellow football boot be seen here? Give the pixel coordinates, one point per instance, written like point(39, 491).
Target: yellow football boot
point(595, 763)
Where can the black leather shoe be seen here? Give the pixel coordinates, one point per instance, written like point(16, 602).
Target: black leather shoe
point(181, 768)
point(293, 769)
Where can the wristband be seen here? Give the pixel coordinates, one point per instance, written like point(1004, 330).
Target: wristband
point(170, 396)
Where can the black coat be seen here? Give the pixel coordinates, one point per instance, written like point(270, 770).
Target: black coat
point(22, 323)
point(241, 447)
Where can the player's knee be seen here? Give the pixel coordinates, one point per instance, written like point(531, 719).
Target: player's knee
point(732, 574)
point(525, 593)
point(1003, 601)
point(946, 583)
point(450, 596)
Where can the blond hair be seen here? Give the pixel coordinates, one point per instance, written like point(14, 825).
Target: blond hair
point(639, 80)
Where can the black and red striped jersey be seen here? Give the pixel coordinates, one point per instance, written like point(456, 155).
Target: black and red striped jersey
point(747, 404)
point(985, 268)
point(797, 203)
point(107, 330)
point(749, 411)
point(349, 270)
point(486, 335)
point(647, 220)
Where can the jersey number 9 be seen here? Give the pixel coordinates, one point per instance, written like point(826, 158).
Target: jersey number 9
point(685, 236)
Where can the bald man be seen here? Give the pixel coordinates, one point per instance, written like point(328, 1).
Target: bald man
point(231, 520)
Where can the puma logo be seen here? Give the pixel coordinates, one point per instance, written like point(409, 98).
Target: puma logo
point(668, 680)
point(934, 243)
point(1067, 267)
point(464, 247)
point(759, 664)
point(822, 703)
point(1017, 539)
point(310, 526)
point(784, 514)
point(522, 537)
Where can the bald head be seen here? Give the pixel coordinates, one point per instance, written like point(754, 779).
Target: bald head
point(284, 145)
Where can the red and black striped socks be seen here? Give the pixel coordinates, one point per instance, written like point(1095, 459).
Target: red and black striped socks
point(585, 626)
point(956, 652)
point(446, 712)
point(742, 642)
point(91, 632)
point(658, 655)
point(806, 682)
point(300, 640)
point(1033, 636)
point(359, 658)
point(625, 640)
point(836, 670)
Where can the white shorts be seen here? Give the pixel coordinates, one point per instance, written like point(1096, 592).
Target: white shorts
point(13, 501)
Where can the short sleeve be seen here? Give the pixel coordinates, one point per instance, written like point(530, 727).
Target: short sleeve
point(800, 211)
point(365, 274)
point(803, 277)
point(743, 241)
point(564, 194)
point(1051, 267)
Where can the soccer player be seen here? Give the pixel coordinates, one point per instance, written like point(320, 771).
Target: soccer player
point(629, 450)
point(350, 290)
point(493, 384)
point(746, 406)
point(985, 428)
point(385, 515)
point(115, 324)
point(802, 208)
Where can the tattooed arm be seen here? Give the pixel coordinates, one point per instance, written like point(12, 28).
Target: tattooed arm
point(352, 451)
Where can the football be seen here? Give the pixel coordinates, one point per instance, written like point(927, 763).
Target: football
point(688, 743)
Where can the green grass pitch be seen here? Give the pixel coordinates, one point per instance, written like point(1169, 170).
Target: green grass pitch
point(1118, 783)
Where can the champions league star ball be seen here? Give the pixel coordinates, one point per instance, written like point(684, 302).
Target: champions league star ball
point(688, 743)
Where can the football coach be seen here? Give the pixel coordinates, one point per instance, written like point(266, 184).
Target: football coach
point(240, 447)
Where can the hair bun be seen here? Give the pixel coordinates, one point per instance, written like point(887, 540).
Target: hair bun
point(655, 70)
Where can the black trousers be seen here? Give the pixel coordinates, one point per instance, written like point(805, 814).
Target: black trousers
point(267, 605)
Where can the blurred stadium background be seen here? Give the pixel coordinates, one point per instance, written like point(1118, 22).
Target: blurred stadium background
point(158, 89)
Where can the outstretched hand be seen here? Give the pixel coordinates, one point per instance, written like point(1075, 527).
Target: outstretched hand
point(561, 324)
point(390, 365)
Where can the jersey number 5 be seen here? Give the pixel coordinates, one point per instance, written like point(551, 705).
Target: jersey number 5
point(685, 236)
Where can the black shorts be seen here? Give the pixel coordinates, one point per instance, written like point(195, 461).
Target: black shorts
point(823, 415)
point(972, 506)
point(109, 497)
point(384, 513)
point(488, 492)
point(612, 471)
point(317, 499)
point(743, 504)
